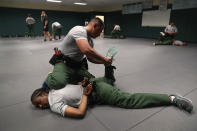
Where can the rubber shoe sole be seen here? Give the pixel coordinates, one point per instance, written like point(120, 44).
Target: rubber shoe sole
point(182, 103)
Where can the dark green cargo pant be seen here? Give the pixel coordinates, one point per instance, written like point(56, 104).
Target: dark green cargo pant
point(164, 41)
point(63, 74)
point(116, 34)
point(57, 31)
point(105, 93)
point(30, 29)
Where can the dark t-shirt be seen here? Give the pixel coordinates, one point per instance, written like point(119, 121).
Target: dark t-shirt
point(45, 18)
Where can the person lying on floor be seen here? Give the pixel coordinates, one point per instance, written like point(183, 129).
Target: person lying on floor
point(171, 42)
point(179, 43)
point(72, 100)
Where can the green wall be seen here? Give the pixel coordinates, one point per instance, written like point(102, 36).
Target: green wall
point(12, 20)
point(185, 20)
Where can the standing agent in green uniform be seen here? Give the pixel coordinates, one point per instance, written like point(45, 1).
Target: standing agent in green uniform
point(71, 66)
point(72, 101)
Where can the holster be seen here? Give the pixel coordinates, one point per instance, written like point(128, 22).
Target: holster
point(56, 58)
point(68, 61)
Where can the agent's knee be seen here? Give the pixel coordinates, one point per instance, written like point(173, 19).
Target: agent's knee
point(54, 82)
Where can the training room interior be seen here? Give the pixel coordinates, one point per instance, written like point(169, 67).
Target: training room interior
point(141, 67)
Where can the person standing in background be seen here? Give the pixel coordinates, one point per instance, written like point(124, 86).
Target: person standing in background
point(44, 20)
point(30, 21)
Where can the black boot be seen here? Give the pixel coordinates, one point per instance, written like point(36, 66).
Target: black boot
point(109, 72)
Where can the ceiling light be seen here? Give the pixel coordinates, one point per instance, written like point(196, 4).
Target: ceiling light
point(80, 2)
point(56, 1)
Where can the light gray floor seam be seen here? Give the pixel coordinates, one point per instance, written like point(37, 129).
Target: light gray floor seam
point(105, 126)
point(190, 92)
point(154, 113)
point(144, 119)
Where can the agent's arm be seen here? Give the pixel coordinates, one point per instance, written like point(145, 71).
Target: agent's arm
point(173, 32)
point(166, 31)
point(92, 54)
point(41, 16)
point(46, 22)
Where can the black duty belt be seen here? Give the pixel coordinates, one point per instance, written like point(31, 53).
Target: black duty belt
point(56, 58)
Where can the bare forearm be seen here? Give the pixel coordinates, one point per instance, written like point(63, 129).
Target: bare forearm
point(42, 18)
point(93, 60)
point(170, 32)
point(173, 33)
point(95, 57)
point(82, 107)
point(91, 53)
point(46, 22)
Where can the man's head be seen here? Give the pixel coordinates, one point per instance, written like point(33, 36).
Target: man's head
point(43, 13)
point(39, 98)
point(172, 23)
point(29, 15)
point(95, 27)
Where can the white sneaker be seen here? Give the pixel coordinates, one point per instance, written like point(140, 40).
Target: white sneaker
point(162, 33)
point(154, 44)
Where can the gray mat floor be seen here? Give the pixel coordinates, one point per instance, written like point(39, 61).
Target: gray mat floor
point(141, 68)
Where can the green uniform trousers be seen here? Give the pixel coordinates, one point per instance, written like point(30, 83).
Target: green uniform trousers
point(105, 93)
point(30, 29)
point(57, 31)
point(63, 74)
point(164, 42)
point(116, 34)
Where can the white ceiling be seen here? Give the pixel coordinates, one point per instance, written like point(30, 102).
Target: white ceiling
point(93, 5)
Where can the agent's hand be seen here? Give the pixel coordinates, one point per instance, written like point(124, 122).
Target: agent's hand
point(108, 61)
point(83, 82)
point(88, 89)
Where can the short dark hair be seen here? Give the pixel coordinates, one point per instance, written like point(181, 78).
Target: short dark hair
point(38, 92)
point(29, 15)
point(171, 22)
point(98, 20)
